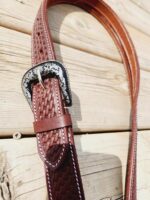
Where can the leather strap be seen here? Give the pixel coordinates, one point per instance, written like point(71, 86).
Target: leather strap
point(53, 123)
point(56, 146)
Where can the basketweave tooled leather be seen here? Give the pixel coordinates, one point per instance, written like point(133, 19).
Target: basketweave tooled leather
point(56, 147)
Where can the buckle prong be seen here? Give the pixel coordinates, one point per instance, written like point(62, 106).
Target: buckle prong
point(40, 78)
point(48, 69)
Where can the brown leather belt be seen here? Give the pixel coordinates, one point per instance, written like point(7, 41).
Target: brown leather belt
point(47, 90)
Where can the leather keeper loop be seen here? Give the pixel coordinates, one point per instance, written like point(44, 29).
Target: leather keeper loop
point(52, 123)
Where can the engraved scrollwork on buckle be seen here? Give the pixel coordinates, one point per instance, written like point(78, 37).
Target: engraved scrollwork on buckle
point(47, 69)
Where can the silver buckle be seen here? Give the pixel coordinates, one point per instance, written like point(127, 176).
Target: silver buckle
point(46, 69)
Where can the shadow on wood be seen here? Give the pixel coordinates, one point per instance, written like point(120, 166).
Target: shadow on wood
point(22, 172)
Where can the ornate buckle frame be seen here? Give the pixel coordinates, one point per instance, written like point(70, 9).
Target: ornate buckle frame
point(47, 69)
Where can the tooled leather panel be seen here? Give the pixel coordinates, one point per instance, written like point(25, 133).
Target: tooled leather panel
point(42, 50)
point(66, 183)
point(64, 180)
point(52, 145)
point(57, 147)
point(63, 185)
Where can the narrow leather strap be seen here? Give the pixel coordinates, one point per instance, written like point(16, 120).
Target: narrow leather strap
point(52, 123)
point(43, 50)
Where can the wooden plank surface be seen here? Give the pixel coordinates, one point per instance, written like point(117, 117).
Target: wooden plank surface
point(15, 56)
point(94, 66)
point(100, 97)
point(134, 13)
point(102, 159)
point(90, 74)
point(73, 27)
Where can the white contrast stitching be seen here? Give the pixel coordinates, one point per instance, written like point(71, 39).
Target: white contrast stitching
point(46, 34)
point(133, 50)
point(38, 137)
point(49, 183)
point(62, 130)
point(40, 147)
point(127, 36)
point(74, 166)
point(72, 155)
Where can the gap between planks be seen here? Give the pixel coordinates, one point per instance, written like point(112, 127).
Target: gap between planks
point(33, 135)
point(67, 45)
point(64, 42)
point(102, 162)
point(137, 37)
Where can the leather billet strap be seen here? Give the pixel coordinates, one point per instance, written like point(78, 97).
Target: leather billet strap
point(55, 143)
point(52, 123)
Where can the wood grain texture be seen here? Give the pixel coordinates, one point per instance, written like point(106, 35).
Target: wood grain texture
point(70, 25)
point(100, 97)
point(102, 79)
point(134, 13)
point(102, 165)
point(15, 60)
point(95, 70)
point(145, 5)
point(18, 14)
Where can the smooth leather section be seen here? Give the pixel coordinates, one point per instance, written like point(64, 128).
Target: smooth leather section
point(43, 50)
point(52, 123)
point(114, 26)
